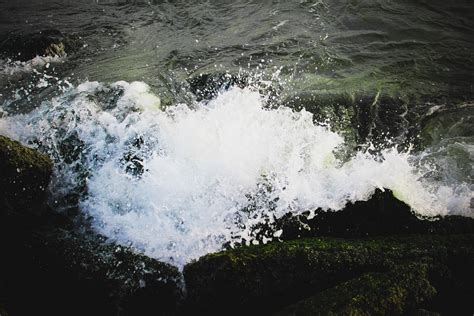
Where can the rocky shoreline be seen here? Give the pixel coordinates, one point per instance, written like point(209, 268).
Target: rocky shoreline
point(372, 258)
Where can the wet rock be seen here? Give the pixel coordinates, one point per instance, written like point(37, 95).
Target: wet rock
point(25, 177)
point(59, 266)
point(446, 123)
point(207, 86)
point(359, 116)
point(67, 273)
point(25, 47)
point(269, 277)
point(382, 214)
point(393, 293)
point(133, 284)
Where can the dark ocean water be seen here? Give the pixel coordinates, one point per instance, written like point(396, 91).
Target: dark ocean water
point(373, 74)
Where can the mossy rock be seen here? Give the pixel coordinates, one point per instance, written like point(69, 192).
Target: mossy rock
point(392, 293)
point(268, 277)
point(25, 178)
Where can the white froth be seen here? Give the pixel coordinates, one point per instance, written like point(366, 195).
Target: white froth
point(202, 166)
point(10, 67)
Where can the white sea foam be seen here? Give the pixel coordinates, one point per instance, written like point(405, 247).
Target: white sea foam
point(174, 183)
point(10, 67)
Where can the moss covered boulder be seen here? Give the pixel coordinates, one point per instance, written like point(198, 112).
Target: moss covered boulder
point(271, 277)
point(393, 293)
point(25, 178)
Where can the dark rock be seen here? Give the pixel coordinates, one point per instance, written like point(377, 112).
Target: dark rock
point(393, 293)
point(25, 177)
point(453, 281)
point(67, 273)
point(43, 43)
point(269, 277)
point(3, 312)
point(382, 214)
point(59, 270)
point(360, 116)
point(424, 312)
point(447, 123)
point(207, 86)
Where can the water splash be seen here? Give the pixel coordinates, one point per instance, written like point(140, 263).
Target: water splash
point(179, 183)
point(11, 68)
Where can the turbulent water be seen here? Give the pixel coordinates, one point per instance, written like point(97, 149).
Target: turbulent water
point(331, 101)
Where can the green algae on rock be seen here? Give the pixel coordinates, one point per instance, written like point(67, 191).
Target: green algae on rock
point(391, 293)
point(25, 177)
point(270, 277)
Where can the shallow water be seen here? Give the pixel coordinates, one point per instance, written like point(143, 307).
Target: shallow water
point(341, 98)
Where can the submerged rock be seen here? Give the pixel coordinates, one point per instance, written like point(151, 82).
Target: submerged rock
point(359, 116)
point(25, 177)
point(385, 272)
point(207, 86)
point(42, 43)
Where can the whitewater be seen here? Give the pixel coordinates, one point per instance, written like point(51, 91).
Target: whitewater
point(181, 181)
